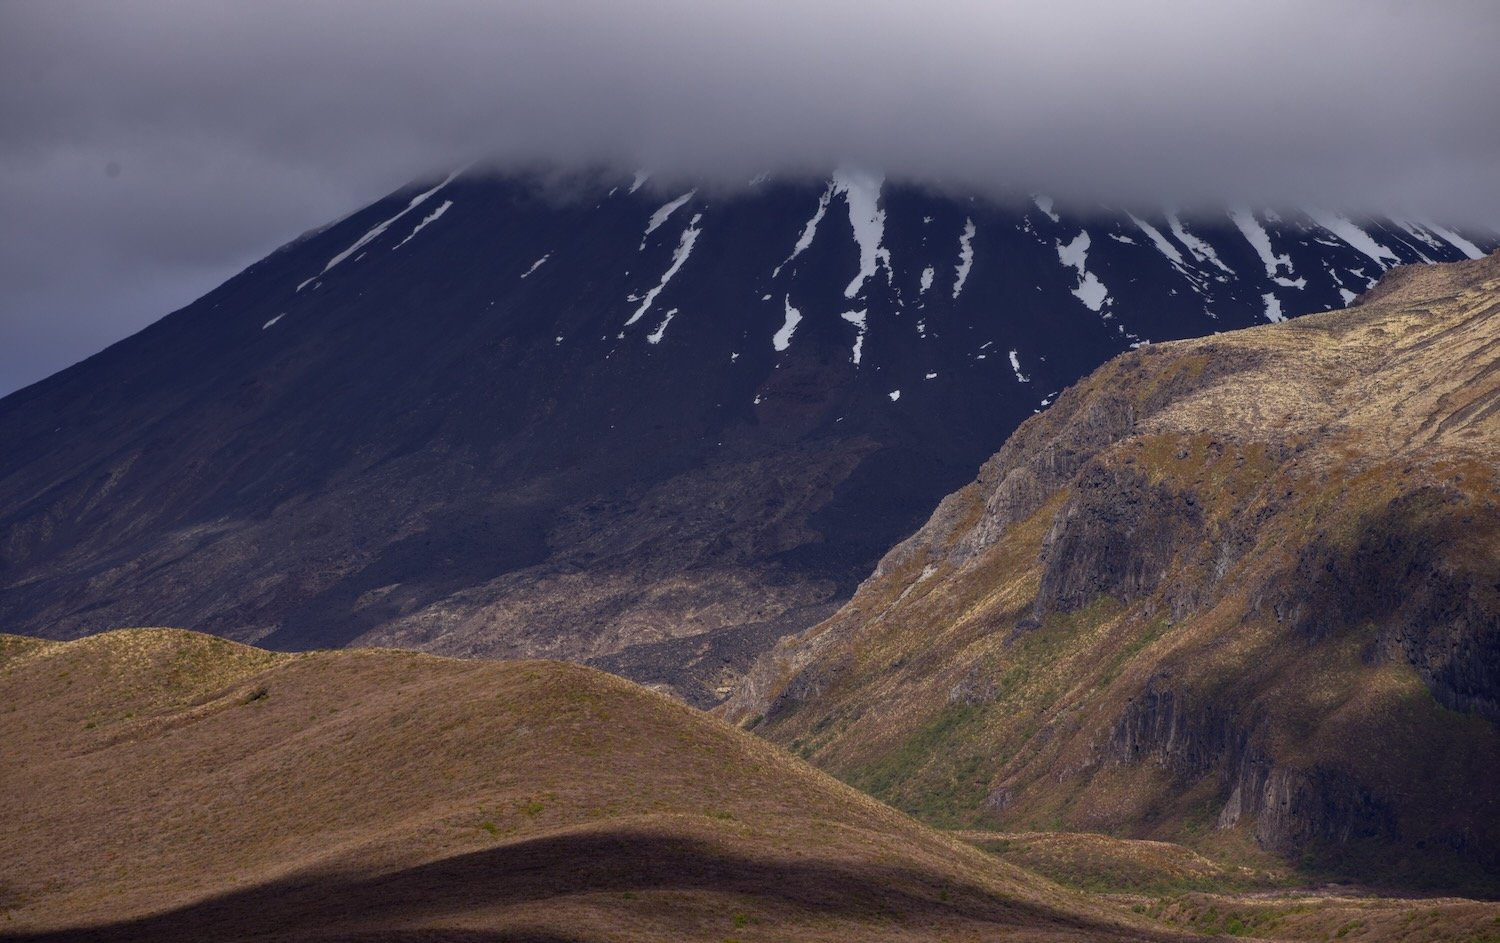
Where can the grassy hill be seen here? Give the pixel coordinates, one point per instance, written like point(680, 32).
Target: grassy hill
point(1240, 592)
point(164, 785)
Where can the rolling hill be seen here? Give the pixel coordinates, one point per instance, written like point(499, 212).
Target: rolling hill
point(166, 785)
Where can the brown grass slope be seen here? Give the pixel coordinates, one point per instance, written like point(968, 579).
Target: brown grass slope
point(164, 785)
point(1242, 592)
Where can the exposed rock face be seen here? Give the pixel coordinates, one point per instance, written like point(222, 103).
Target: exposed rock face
point(1117, 536)
point(1294, 809)
point(648, 428)
point(1436, 606)
point(1169, 728)
point(1252, 581)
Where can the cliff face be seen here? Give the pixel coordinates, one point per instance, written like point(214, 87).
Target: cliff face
point(1239, 589)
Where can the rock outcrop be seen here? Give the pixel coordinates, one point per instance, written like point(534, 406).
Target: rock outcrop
point(1246, 585)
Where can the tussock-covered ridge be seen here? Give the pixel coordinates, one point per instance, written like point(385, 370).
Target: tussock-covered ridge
point(1241, 591)
point(166, 785)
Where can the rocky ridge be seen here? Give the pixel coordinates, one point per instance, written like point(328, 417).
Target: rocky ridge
point(1241, 589)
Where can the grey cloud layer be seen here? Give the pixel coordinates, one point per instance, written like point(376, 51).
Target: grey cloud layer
point(227, 127)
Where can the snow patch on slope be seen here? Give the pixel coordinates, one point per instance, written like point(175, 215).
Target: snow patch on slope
point(1418, 233)
point(661, 215)
point(1201, 250)
point(536, 265)
point(432, 218)
point(782, 339)
point(1356, 237)
point(1273, 307)
point(1015, 364)
point(808, 231)
point(1090, 290)
point(1260, 240)
point(679, 256)
point(655, 336)
point(375, 233)
point(1458, 242)
point(861, 191)
point(1157, 239)
point(965, 256)
point(856, 318)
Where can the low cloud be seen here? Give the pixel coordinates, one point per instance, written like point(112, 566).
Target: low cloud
point(149, 149)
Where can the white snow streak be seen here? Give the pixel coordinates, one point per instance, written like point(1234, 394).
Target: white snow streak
point(641, 176)
point(1420, 236)
point(660, 216)
point(808, 231)
point(856, 318)
point(1260, 240)
point(655, 336)
point(373, 234)
point(1459, 242)
point(1201, 250)
point(965, 256)
point(1348, 296)
point(782, 339)
point(1075, 255)
point(537, 264)
point(895, 395)
point(927, 274)
point(1273, 307)
point(423, 224)
point(1356, 237)
point(273, 320)
point(1162, 245)
point(861, 191)
point(684, 249)
point(1015, 364)
point(1417, 232)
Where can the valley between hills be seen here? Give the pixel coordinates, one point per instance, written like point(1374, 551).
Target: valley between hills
point(1208, 648)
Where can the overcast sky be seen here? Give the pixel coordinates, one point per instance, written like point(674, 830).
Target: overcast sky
point(151, 148)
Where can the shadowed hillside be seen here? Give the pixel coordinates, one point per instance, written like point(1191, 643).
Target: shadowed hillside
point(1242, 592)
point(165, 785)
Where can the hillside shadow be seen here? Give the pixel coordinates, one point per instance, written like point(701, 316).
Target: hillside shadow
point(347, 906)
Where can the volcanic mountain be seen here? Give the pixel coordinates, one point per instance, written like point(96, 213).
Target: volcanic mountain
point(650, 427)
point(165, 785)
point(1238, 591)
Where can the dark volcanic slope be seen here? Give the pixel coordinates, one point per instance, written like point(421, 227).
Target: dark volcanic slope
point(592, 421)
point(1238, 590)
point(163, 785)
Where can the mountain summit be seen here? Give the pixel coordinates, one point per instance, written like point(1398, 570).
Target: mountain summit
point(650, 428)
